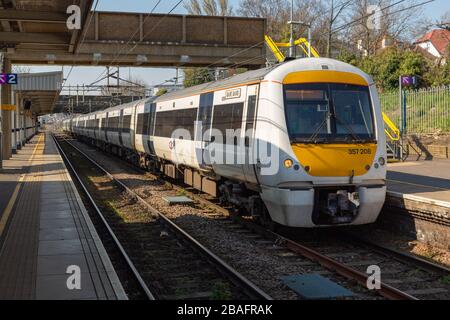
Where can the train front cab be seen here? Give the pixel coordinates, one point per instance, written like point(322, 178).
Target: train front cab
point(332, 164)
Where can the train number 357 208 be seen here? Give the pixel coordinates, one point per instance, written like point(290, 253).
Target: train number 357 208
point(359, 151)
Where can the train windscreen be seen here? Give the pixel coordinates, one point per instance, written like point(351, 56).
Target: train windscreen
point(328, 113)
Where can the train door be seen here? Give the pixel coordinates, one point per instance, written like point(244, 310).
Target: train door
point(151, 125)
point(120, 127)
point(95, 126)
point(205, 116)
point(106, 126)
point(248, 132)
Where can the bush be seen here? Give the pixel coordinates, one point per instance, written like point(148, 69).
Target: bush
point(387, 66)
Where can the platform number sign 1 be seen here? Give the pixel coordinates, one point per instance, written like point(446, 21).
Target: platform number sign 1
point(408, 81)
point(8, 78)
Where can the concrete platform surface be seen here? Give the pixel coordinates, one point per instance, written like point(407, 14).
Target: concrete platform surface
point(427, 179)
point(46, 232)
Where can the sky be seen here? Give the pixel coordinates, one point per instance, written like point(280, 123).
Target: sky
point(153, 76)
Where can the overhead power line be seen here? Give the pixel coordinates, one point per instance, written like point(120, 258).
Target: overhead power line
point(81, 42)
point(145, 35)
point(384, 15)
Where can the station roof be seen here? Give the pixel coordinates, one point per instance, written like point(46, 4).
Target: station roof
point(27, 24)
point(41, 89)
point(35, 32)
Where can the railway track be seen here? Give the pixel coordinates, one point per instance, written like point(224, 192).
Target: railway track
point(121, 259)
point(350, 263)
point(403, 276)
point(171, 262)
point(433, 272)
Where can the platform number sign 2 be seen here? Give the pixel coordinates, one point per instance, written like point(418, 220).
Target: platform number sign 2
point(8, 78)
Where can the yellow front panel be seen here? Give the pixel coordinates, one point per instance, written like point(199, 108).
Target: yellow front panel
point(335, 160)
point(324, 76)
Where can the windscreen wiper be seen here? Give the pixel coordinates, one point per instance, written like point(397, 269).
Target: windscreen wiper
point(349, 129)
point(316, 132)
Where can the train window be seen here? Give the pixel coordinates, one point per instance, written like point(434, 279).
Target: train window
point(352, 108)
point(143, 122)
point(140, 123)
point(227, 116)
point(188, 120)
point(167, 122)
point(238, 109)
point(222, 117)
point(113, 124)
point(126, 123)
point(328, 112)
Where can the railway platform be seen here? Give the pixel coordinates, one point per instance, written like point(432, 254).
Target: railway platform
point(48, 244)
point(425, 179)
point(418, 200)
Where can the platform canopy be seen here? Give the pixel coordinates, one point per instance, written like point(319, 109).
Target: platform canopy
point(35, 32)
point(39, 91)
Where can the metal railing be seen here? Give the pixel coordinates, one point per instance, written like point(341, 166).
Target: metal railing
point(391, 130)
point(427, 110)
point(280, 56)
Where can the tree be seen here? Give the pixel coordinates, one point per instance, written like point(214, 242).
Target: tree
point(348, 57)
point(277, 13)
point(209, 7)
point(386, 68)
point(195, 76)
point(335, 14)
point(161, 92)
point(396, 21)
point(439, 75)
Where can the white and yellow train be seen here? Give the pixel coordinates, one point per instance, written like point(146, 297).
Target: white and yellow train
point(301, 143)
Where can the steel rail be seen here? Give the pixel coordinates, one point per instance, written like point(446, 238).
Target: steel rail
point(350, 273)
point(130, 263)
point(385, 290)
point(398, 255)
point(237, 278)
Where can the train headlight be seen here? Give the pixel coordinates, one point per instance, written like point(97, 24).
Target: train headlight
point(288, 163)
point(381, 161)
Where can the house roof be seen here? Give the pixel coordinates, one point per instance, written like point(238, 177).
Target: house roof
point(440, 38)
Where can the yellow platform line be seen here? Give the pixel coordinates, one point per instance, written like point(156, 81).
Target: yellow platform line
point(12, 200)
point(8, 107)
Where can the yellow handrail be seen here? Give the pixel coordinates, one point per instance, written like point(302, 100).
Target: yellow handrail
point(395, 136)
point(273, 46)
point(302, 43)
